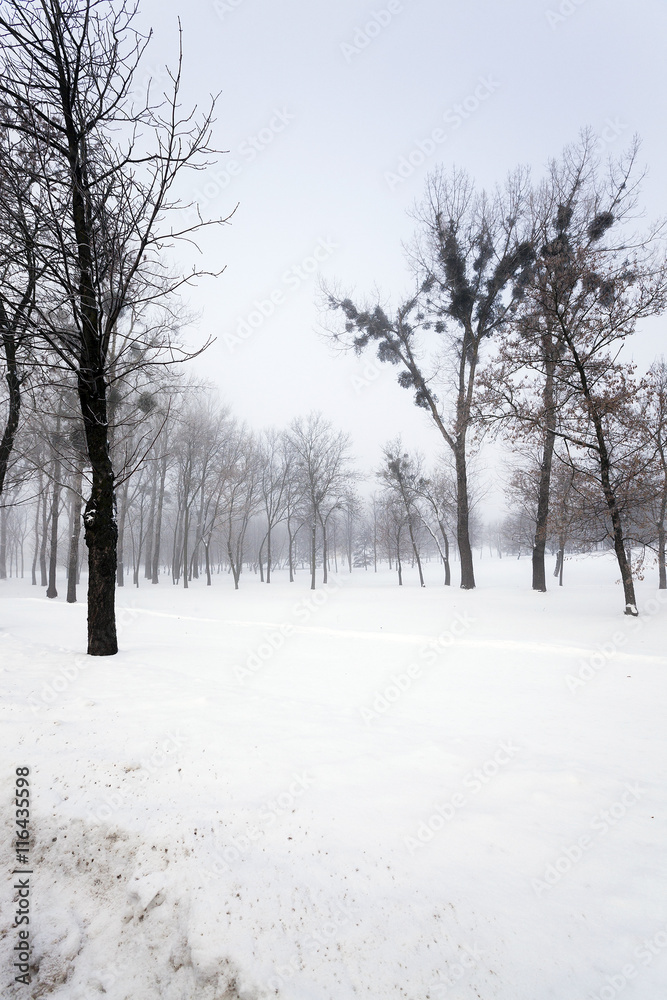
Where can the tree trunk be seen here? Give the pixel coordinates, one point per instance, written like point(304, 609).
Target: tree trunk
point(624, 563)
point(207, 555)
point(14, 404)
point(101, 529)
point(52, 590)
point(448, 571)
point(158, 522)
point(290, 551)
point(268, 554)
point(542, 515)
point(313, 553)
point(325, 552)
point(662, 575)
point(74, 538)
point(136, 557)
point(3, 543)
point(416, 554)
point(43, 578)
point(120, 548)
point(148, 568)
point(463, 519)
point(186, 528)
point(35, 555)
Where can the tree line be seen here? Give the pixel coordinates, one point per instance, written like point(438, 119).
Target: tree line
point(199, 494)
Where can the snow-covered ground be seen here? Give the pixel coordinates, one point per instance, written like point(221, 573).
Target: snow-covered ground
point(369, 792)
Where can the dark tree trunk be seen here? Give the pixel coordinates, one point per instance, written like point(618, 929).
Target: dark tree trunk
point(463, 520)
point(14, 403)
point(74, 539)
point(542, 515)
point(100, 527)
point(560, 560)
point(662, 574)
point(399, 567)
point(3, 543)
point(260, 559)
point(624, 563)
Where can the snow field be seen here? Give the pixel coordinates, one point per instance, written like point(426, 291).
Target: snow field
point(363, 792)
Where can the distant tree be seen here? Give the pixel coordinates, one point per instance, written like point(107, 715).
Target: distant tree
point(403, 479)
point(275, 472)
point(437, 509)
point(240, 497)
point(324, 470)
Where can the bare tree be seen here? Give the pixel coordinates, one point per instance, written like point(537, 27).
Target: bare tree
point(66, 89)
point(276, 463)
point(592, 281)
point(403, 478)
point(322, 464)
point(470, 258)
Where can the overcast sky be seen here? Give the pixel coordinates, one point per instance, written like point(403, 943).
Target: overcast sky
point(328, 111)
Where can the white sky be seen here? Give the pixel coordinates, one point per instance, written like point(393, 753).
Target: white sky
point(333, 121)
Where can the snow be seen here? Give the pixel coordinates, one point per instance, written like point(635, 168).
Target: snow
point(369, 791)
